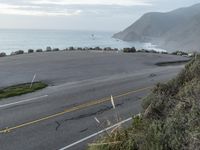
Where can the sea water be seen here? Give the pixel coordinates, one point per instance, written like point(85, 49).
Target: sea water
point(14, 39)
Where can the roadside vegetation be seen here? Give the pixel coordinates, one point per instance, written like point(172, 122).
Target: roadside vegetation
point(129, 50)
point(21, 89)
point(106, 49)
point(170, 119)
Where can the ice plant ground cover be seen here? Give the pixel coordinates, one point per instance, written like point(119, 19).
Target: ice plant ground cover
point(21, 89)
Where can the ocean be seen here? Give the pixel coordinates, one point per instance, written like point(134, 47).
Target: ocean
point(13, 40)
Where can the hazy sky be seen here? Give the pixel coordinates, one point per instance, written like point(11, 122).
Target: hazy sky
point(80, 14)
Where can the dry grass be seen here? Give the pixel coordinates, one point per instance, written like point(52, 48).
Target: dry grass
point(170, 120)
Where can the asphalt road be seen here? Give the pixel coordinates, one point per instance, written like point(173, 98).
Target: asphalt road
point(81, 84)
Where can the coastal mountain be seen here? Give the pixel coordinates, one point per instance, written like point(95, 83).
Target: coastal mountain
point(175, 30)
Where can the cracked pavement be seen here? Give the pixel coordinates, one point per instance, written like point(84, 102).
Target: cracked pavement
point(75, 79)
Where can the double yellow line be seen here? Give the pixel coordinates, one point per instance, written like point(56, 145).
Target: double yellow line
point(79, 107)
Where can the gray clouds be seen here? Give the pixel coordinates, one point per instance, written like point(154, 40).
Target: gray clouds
point(80, 14)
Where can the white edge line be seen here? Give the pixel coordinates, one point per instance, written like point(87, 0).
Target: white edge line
point(95, 134)
point(23, 101)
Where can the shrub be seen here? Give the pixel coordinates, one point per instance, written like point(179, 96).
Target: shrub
point(79, 48)
point(86, 48)
point(19, 52)
point(2, 54)
point(12, 53)
point(181, 53)
point(107, 49)
point(170, 120)
point(56, 49)
point(71, 48)
point(164, 52)
point(129, 50)
point(153, 51)
point(39, 50)
point(30, 51)
point(98, 48)
point(48, 49)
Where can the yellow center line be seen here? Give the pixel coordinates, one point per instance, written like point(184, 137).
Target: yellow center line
point(79, 107)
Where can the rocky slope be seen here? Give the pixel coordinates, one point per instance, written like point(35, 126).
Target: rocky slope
point(175, 30)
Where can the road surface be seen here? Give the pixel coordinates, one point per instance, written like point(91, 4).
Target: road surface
point(81, 83)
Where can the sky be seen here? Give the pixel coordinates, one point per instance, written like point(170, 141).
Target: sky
point(107, 15)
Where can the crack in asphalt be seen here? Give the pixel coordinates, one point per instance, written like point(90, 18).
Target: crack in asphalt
point(83, 130)
point(100, 111)
point(58, 125)
point(152, 75)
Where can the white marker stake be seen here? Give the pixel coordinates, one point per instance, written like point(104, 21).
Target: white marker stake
point(32, 81)
point(112, 101)
point(97, 120)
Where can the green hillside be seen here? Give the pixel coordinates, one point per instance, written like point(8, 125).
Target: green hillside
point(170, 119)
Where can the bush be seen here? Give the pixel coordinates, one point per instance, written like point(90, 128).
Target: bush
point(143, 51)
point(97, 48)
point(30, 51)
point(12, 53)
point(129, 50)
point(164, 53)
point(19, 52)
point(39, 50)
point(2, 54)
point(153, 51)
point(79, 48)
point(107, 49)
point(180, 53)
point(48, 49)
point(86, 48)
point(71, 48)
point(56, 49)
point(170, 120)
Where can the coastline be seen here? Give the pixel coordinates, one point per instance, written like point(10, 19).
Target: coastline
point(96, 49)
